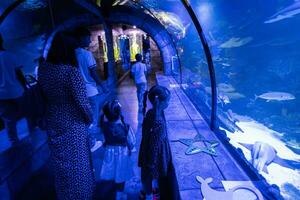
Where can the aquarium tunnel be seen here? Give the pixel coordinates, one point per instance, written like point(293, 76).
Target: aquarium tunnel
point(231, 69)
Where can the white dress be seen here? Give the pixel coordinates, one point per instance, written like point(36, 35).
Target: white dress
point(117, 164)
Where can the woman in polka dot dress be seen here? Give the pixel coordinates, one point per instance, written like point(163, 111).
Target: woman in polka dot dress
point(68, 116)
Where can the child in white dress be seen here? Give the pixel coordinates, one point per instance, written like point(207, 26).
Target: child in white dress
point(119, 142)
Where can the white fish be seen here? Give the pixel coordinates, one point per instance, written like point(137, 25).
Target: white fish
point(236, 42)
point(226, 64)
point(276, 96)
point(223, 99)
point(172, 20)
point(285, 13)
point(224, 87)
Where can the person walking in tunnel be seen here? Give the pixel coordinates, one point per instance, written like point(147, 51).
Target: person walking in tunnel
point(11, 92)
point(139, 71)
point(155, 157)
point(68, 116)
point(119, 142)
point(87, 65)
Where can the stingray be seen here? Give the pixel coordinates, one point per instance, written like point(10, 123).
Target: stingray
point(263, 154)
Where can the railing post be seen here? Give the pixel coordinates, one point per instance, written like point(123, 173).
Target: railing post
point(209, 62)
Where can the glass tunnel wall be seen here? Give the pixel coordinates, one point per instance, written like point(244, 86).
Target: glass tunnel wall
point(23, 32)
point(255, 49)
point(194, 72)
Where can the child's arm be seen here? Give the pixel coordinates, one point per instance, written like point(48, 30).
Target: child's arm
point(131, 140)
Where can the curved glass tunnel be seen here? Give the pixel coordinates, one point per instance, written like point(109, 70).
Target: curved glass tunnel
point(254, 47)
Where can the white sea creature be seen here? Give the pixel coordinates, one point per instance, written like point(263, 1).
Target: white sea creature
point(276, 96)
point(171, 20)
point(223, 99)
point(236, 42)
point(224, 87)
point(235, 95)
point(285, 13)
point(225, 64)
point(263, 154)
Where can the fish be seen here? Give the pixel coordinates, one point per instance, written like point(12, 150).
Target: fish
point(236, 42)
point(235, 95)
point(227, 123)
point(223, 99)
point(171, 20)
point(263, 154)
point(276, 96)
point(286, 13)
point(225, 64)
point(224, 87)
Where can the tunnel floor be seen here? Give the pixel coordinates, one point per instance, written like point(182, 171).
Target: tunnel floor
point(183, 122)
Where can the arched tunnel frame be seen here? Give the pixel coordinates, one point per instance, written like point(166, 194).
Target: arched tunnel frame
point(131, 17)
point(164, 48)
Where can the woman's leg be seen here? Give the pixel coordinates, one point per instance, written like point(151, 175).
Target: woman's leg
point(120, 195)
point(120, 186)
point(146, 183)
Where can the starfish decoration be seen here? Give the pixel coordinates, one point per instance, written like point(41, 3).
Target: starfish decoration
point(194, 145)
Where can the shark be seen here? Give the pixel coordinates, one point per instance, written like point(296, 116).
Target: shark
point(172, 20)
point(285, 13)
point(263, 154)
point(194, 147)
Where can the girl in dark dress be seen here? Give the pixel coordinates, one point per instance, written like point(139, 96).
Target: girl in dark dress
point(155, 158)
point(68, 117)
point(119, 142)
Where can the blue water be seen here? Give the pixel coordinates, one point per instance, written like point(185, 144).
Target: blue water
point(256, 49)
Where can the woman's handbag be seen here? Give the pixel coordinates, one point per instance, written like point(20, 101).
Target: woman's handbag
point(33, 100)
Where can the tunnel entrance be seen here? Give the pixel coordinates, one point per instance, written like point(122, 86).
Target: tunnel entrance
point(127, 41)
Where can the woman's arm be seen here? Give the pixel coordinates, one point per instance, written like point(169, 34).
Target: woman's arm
point(78, 90)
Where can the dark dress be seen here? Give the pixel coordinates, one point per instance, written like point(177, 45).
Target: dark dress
point(155, 154)
point(68, 116)
point(155, 157)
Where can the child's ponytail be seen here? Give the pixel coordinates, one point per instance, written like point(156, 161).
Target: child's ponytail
point(124, 124)
point(145, 102)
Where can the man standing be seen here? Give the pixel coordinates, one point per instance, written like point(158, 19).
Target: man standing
point(139, 71)
point(11, 92)
point(87, 65)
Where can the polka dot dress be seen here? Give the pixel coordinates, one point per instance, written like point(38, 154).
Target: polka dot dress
point(68, 116)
